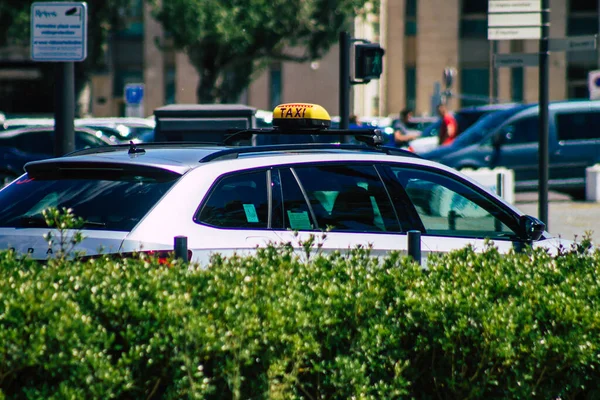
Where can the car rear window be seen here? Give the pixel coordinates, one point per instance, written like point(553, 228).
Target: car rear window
point(113, 201)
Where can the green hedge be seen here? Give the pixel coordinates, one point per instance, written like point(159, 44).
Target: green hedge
point(277, 326)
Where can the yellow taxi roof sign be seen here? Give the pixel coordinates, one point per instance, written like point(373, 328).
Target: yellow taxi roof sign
point(301, 115)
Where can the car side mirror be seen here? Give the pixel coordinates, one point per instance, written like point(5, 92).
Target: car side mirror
point(532, 228)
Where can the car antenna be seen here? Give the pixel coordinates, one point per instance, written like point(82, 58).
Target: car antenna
point(133, 149)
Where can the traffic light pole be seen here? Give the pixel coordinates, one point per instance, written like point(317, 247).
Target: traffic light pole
point(344, 80)
point(543, 115)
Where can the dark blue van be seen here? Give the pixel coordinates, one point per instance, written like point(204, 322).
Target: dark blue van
point(511, 140)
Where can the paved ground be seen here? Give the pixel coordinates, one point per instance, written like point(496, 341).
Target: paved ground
point(567, 218)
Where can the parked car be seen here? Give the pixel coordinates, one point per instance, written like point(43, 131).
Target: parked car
point(574, 145)
point(123, 129)
point(465, 117)
point(232, 199)
point(19, 146)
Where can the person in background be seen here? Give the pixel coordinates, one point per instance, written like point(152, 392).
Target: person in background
point(402, 136)
point(448, 127)
point(354, 123)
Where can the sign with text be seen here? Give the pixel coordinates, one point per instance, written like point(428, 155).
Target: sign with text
point(516, 33)
point(516, 60)
point(514, 6)
point(514, 20)
point(58, 31)
point(594, 85)
point(576, 43)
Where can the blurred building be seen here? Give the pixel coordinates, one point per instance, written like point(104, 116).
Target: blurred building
point(421, 38)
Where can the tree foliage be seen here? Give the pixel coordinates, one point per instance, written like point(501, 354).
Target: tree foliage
point(230, 41)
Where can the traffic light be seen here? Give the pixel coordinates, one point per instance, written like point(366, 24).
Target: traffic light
point(368, 58)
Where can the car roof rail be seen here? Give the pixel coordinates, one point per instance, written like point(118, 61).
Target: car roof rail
point(128, 146)
point(233, 153)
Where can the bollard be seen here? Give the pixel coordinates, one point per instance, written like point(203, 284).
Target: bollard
point(500, 193)
point(181, 248)
point(414, 245)
point(500, 184)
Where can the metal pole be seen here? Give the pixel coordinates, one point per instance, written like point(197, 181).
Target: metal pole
point(494, 73)
point(414, 245)
point(344, 80)
point(543, 115)
point(64, 108)
point(181, 248)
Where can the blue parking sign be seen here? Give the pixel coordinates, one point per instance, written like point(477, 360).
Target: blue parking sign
point(134, 93)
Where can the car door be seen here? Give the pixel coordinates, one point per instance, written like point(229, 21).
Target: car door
point(518, 150)
point(342, 205)
point(449, 212)
point(578, 146)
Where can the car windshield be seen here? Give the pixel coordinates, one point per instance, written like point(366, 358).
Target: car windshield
point(105, 202)
point(480, 128)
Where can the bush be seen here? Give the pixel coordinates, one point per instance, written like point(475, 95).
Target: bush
point(278, 326)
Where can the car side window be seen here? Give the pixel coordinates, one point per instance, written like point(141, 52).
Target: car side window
point(578, 125)
point(349, 198)
point(237, 201)
point(448, 207)
point(522, 131)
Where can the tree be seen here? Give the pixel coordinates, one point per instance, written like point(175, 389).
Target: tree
point(230, 41)
point(104, 16)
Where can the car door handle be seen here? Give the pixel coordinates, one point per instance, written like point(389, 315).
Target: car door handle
point(257, 240)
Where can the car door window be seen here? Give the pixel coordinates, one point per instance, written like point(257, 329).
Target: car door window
point(39, 142)
point(349, 198)
point(448, 207)
point(522, 131)
point(237, 201)
point(578, 125)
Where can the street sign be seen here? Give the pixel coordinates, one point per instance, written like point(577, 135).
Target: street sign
point(134, 93)
point(58, 31)
point(517, 33)
point(577, 43)
point(514, 6)
point(514, 20)
point(594, 84)
point(516, 60)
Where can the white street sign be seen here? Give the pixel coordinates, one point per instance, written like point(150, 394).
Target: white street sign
point(515, 33)
point(58, 31)
point(577, 43)
point(514, 19)
point(594, 84)
point(519, 6)
point(516, 60)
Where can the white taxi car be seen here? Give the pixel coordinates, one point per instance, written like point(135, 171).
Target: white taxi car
point(232, 199)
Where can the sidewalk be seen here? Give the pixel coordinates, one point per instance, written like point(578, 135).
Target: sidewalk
point(566, 218)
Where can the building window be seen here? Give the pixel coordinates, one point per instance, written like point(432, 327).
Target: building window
point(474, 7)
point(410, 18)
point(473, 28)
point(275, 87)
point(583, 6)
point(517, 84)
point(474, 86)
point(577, 76)
point(411, 87)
